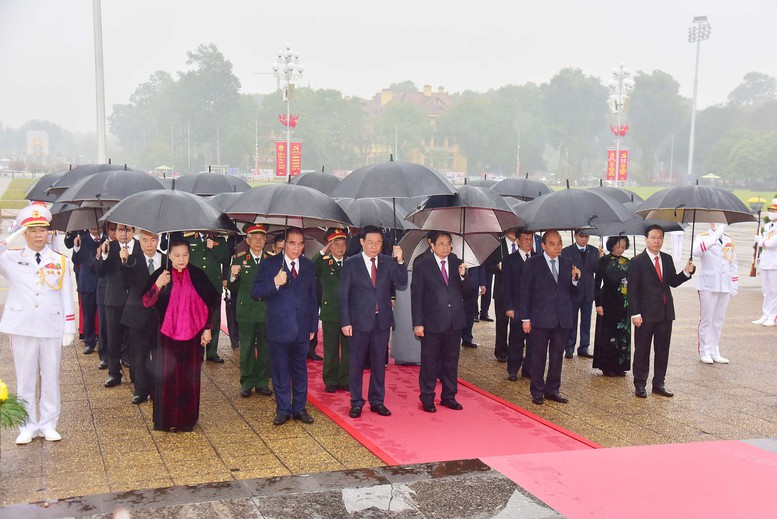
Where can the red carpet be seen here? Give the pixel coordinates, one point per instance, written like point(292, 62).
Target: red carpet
point(710, 480)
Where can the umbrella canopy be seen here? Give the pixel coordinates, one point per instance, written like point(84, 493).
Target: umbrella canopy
point(374, 211)
point(319, 181)
point(222, 201)
point(618, 193)
point(70, 217)
point(521, 188)
point(393, 179)
point(74, 175)
point(288, 205)
point(472, 209)
point(570, 209)
point(208, 184)
point(109, 186)
point(38, 191)
point(476, 246)
point(634, 226)
point(483, 182)
point(695, 204)
point(165, 210)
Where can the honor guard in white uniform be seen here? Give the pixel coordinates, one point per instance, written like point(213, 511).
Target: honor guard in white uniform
point(717, 282)
point(767, 240)
point(39, 316)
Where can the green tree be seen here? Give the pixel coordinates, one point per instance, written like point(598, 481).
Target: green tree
point(755, 89)
point(405, 124)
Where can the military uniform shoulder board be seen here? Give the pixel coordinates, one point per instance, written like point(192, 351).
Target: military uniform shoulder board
point(189, 234)
point(240, 254)
point(327, 257)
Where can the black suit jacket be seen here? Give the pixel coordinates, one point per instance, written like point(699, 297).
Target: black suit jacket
point(86, 277)
point(587, 266)
point(512, 271)
point(358, 297)
point(136, 275)
point(646, 292)
point(434, 305)
point(500, 254)
point(544, 302)
point(111, 269)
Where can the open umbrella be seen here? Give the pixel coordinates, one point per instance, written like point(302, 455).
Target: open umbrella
point(374, 211)
point(618, 193)
point(476, 247)
point(319, 181)
point(288, 205)
point(164, 210)
point(77, 173)
point(695, 204)
point(71, 217)
point(39, 190)
point(110, 186)
point(222, 201)
point(208, 184)
point(482, 182)
point(521, 188)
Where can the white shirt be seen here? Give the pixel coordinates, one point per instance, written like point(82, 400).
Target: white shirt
point(368, 263)
point(525, 254)
point(157, 260)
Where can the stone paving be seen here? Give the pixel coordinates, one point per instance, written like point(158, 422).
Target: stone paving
point(109, 447)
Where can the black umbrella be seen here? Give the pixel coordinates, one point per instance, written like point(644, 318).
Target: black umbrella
point(571, 209)
point(482, 182)
point(164, 210)
point(521, 188)
point(288, 205)
point(319, 181)
point(207, 184)
point(39, 190)
point(374, 211)
point(222, 201)
point(693, 204)
point(476, 247)
point(634, 226)
point(110, 186)
point(77, 173)
point(70, 217)
point(618, 193)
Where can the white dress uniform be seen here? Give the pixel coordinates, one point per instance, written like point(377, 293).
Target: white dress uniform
point(717, 281)
point(768, 264)
point(39, 312)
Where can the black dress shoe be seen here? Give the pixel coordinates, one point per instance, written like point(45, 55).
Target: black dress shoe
point(245, 393)
point(264, 391)
point(330, 388)
point(556, 397)
point(112, 382)
point(216, 359)
point(501, 358)
point(303, 417)
point(486, 319)
point(470, 344)
point(476, 319)
point(585, 354)
point(102, 365)
point(661, 390)
point(312, 355)
point(569, 355)
point(451, 404)
point(344, 388)
point(88, 349)
point(355, 412)
point(281, 419)
point(640, 393)
point(429, 408)
point(137, 399)
point(512, 377)
point(537, 400)
point(380, 409)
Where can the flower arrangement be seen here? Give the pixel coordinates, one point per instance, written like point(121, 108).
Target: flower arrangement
point(12, 412)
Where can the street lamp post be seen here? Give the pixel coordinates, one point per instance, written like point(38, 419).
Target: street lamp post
point(620, 85)
point(698, 32)
point(287, 69)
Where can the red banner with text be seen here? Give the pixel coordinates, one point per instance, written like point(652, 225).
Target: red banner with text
point(619, 168)
point(610, 165)
point(295, 158)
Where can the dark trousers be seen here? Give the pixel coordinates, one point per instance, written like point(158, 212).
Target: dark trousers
point(373, 346)
point(439, 358)
point(470, 311)
point(116, 333)
point(142, 345)
point(212, 349)
point(659, 334)
point(518, 350)
point(583, 309)
point(485, 299)
point(547, 344)
point(254, 356)
point(336, 357)
point(88, 302)
point(289, 376)
point(102, 335)
point(232, 327)
point(502, 325)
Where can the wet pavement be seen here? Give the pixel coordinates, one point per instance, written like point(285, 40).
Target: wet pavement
point(236, 464)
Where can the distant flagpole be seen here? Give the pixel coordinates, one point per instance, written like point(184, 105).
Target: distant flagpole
point(99, 80)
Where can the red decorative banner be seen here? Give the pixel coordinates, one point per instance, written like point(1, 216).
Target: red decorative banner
point(280, 158)
point(623, 165)
point(621, 130)
point(610, 165)
point(295, 158)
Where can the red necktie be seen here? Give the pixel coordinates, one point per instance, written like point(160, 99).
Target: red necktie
point(660, 277)
point(444, 272)
point(374, 272)
point(293, 271)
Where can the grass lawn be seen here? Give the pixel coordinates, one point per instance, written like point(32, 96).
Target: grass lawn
point(13, 198)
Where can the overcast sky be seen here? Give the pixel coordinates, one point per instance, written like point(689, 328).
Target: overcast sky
point(360, 46)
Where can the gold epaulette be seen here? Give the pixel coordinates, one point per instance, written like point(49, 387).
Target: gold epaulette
point(327, 257)
point(188, 234)
point(239, 254)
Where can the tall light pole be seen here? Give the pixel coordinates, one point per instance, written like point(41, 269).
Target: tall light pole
point(99, 80)
point(698, 32)
point(620, 85)
point(287, 69)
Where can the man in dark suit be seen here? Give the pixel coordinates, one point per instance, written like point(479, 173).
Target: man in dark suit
point(493, 264)
point(477, 276)
point(287, 283)
point(112, 255)
point(437, 305)
point(366, 315)
point(102, 282)
point(84, 250)
point(585, 257)
point(547, 286)
point(517, 342)
point(141, 322)
point(651, 274)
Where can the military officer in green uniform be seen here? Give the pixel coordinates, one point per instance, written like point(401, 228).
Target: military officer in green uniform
point(251, 314)
point(328, 264)
point(210, 253)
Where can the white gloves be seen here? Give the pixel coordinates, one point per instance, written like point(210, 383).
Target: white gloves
point(67, 339)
